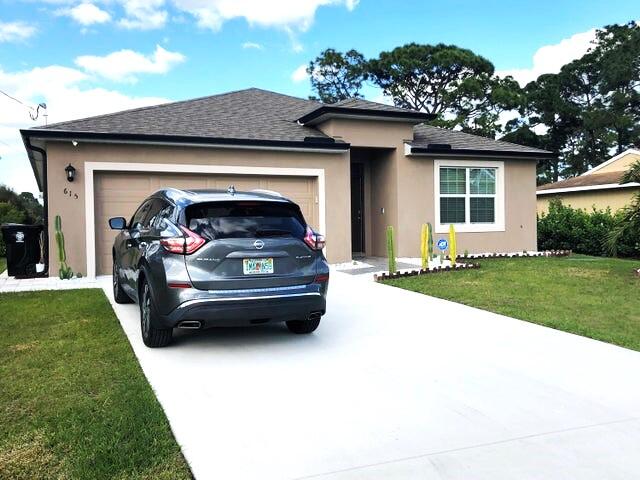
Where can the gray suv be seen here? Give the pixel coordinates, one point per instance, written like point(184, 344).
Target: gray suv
point(201, 258)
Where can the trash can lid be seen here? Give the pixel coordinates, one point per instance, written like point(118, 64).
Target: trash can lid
point(21, 226)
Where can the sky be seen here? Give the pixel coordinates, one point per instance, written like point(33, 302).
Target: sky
point(89, 57)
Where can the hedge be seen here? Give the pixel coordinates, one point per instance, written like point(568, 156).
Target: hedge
point(566, 228)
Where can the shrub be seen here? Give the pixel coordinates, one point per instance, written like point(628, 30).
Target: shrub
point(566, 228)
point(9, 214)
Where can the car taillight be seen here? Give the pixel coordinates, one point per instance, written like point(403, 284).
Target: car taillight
point(183, 245)
point(314, 240)
point(321, 278)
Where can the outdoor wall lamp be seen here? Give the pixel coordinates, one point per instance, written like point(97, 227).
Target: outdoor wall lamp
point(71, 172)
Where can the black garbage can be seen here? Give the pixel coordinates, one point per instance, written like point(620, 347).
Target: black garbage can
point(23, 249)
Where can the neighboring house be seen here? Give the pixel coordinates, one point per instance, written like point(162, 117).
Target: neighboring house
point(599, 187)
point(355, 167)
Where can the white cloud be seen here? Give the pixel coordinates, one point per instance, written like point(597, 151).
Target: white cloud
point(88, 14)
point(249, 45)
point(67, 95)
point(144, 14)
point(295, 14)
point(15, 31)
point(551, 58)
point(300, 74)
point(123, 65)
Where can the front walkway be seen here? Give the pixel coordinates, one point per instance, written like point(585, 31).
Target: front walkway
point(11, 284)
point(397, 385)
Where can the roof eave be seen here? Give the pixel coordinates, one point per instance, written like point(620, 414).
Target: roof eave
point(587, 188)
point(326, 112)
point(477, 152)
point(26, 140)
point(327, 144)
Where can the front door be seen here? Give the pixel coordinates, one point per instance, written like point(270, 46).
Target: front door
point(357, 208)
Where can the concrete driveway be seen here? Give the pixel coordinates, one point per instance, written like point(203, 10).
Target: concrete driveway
point(397, 385)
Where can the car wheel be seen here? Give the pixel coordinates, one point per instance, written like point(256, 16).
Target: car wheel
point(151, 336)
point(303, 326)
point(119, 294)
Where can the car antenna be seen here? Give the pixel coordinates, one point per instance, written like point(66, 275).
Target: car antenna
point(231, 190)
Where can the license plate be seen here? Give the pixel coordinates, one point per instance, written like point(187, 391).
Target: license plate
point(257, 266)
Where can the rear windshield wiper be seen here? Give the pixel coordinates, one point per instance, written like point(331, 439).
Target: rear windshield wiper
point(273, 232)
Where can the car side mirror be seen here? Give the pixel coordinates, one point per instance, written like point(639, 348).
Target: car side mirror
point(118, 223)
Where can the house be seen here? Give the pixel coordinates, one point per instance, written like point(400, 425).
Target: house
point(354, 167)
point(599, 187)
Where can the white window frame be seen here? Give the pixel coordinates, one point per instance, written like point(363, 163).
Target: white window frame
point(498, 224)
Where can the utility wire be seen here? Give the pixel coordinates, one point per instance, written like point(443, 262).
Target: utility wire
point(34, 116)
point(16, 100)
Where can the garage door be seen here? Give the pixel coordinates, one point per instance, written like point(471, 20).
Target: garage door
point(120, 193)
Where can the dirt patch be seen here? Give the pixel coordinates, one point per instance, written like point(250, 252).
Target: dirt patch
point(28, 457)
point(23, 347)
point(587, 273)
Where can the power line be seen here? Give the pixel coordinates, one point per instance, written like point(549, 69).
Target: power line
point(33, 116)
point(16, 100)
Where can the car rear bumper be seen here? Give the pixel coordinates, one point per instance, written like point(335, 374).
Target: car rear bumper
point(222, 309)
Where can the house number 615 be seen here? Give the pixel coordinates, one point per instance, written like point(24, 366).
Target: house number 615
point(71, 194)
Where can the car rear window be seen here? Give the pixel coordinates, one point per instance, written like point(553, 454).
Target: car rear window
point(245, 220)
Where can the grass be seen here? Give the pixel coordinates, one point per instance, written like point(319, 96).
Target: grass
point(590, 296)
point(3, 264)
point(74, 402)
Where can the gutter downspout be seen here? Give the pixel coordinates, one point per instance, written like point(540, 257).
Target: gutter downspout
point(45, 201)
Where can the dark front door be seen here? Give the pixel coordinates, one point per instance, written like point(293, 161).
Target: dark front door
point(357, 208)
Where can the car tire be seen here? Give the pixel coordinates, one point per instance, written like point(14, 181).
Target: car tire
point(303, 326)
point(151, 336)
point(119, 294)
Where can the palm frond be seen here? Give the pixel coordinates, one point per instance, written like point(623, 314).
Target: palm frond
point(633, 174)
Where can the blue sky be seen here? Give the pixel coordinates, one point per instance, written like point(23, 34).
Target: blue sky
point(84, 58)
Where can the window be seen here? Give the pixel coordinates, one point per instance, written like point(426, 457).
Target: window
point(469, 194)
point(138, 217)
point(246, 220)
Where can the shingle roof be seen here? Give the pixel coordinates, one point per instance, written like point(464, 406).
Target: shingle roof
point(360, 103)
point(244, 114)
point(255, 115)
point(426, 137)
point(585, 181)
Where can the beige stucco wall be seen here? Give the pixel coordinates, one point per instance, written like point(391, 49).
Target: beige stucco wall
point(398, 189)
point(614, 199)
point(386, 138)
point(72, 209)
point(621, 164)
point(520, 209)
point(403, 186)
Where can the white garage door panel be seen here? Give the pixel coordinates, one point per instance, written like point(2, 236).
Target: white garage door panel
point(120, 193)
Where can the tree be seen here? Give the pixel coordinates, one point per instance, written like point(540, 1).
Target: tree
point(589, 109)
point(452, 83)
point(628, 223)
point(617, 54)
point(336, 76)
point(426, 77)
point(31, 206)
point(479, 103)
point(9, 214)
point(24, 202)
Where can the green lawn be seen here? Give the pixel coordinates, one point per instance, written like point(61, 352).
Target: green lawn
point(74, 402)
point(3, 264)
point(591, 296)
